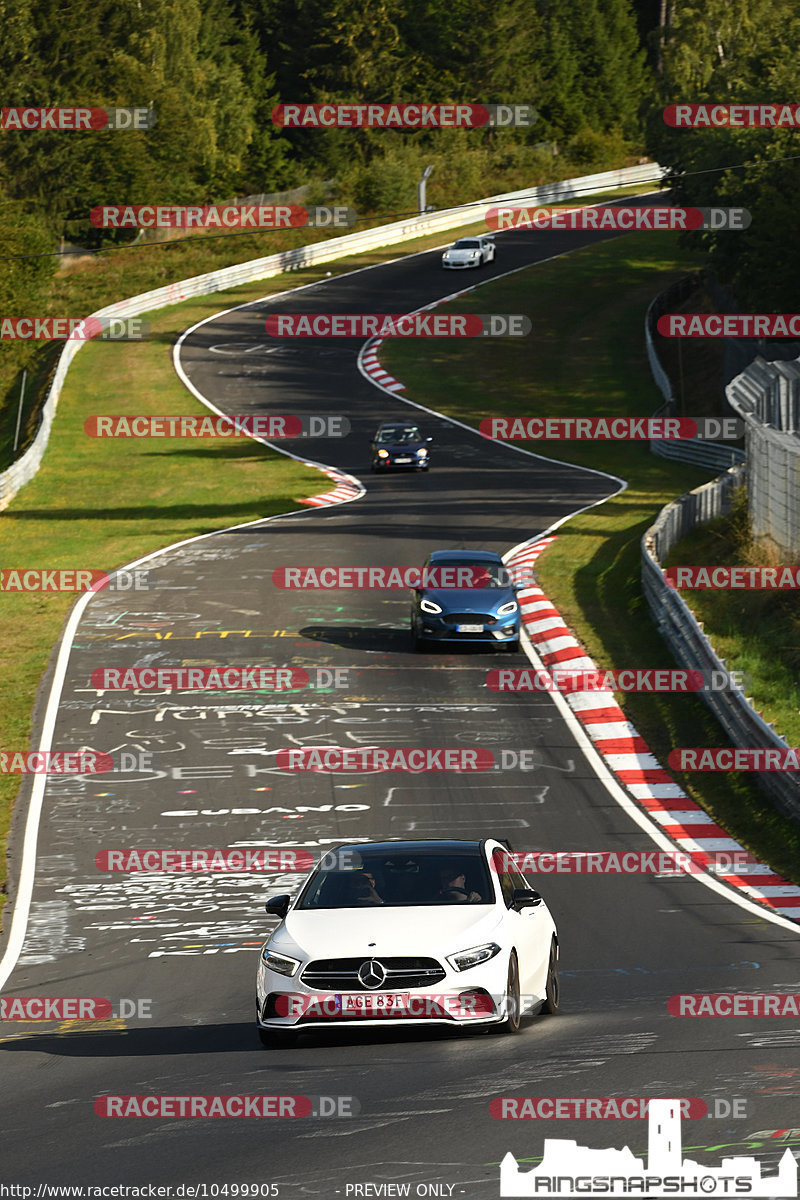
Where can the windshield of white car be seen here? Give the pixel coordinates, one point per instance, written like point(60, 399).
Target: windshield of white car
point(467, 244)
point(398, 881)
point(399, 433)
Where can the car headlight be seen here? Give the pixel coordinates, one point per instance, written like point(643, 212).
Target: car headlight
point(471, 958)
point(505, 610)
point(422, 453)
point(430, 606)
point(383, 454)
point(280, 963)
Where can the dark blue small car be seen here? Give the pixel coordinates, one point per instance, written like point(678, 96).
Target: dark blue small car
point(465, 596)
point(400, 444)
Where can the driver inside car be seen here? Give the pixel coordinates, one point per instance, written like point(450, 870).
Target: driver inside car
point(361, 889)
point(453, 887)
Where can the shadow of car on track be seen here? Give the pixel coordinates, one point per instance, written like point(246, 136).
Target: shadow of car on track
point(393, 641)
point(165, 1041)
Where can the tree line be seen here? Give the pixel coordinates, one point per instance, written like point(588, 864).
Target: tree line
point(599, 72)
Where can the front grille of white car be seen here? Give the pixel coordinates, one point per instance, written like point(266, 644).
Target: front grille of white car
point(341, 974)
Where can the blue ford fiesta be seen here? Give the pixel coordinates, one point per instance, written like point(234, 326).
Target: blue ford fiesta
point(465, 596)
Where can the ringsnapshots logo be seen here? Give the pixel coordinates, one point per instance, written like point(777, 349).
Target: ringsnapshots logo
point(568, 1169)
point(221, 216)
point(726, 325)
point(620, 219)
point(77, 119)
point(609, 429)
point(413, 325)
point(728, 116)
point(73, 329)
point(404, 115)
point(269, 427)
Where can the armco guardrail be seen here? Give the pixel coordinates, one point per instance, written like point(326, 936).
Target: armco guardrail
point(767, 398)
point(22, 471)
point(714, 455)
point(690, 645)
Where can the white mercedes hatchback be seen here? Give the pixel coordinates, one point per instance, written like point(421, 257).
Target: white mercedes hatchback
point(408, 933)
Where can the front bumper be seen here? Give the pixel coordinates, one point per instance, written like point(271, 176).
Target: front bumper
point(474, 997)
point(435, 630)
point(416, 464)
point(461, 266)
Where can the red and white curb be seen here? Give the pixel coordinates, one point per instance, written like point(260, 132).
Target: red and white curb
point(376, 372)
point(346, 489)
point(369, 358)
point(628, 756)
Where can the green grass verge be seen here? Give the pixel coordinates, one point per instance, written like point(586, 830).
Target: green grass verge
point(586, 357)
point(754, 630)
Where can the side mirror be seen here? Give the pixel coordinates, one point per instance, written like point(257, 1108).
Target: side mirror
point(429, 439)
point(525, 898)
point(278, 906)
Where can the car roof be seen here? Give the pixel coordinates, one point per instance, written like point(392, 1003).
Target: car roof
point(487, 556)
point(400, 421)
point(444, 844)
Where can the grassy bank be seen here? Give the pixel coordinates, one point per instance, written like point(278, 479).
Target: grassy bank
point(586, 357)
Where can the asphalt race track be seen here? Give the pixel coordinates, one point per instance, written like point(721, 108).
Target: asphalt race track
point(187, 944)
